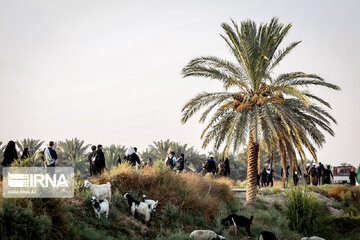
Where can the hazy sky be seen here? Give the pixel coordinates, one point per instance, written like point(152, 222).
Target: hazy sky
point(109, 71)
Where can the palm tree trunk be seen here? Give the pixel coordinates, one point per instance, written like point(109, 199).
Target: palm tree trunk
point(283, 161)
point(253, 154)
point(259, 161)
point(292, 162)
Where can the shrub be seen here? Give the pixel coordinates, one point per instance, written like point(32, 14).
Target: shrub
point(344, 193)
point(23, 223)
point(170, 216)
point(304, 212)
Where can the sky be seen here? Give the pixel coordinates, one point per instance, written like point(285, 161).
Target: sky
point(110, 71)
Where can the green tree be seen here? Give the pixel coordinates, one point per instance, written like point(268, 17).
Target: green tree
point(111, 154)
point(159, 150)
point(72, 149)
point(33, 144)
point(264, 108)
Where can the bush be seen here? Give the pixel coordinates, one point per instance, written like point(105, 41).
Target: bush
point(22, 223)
point(304, 212)
point(170, 216)
point(344, 193)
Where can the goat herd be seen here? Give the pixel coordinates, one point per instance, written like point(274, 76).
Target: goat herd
point(101, 197)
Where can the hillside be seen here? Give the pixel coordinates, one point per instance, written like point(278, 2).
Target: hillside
point(187, 202)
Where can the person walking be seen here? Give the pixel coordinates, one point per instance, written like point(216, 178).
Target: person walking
point(307, 173)
point(170, 161)
point(353, 177)
point(227, 167)
point(136, 159)
point(296, 177)
point(181, 163)
point(92, 159)
point(263, 178)
point(133, 158)
point(211, 165)
point(314, 175)
point(320, 171)
point(327, 175)
point(100, 164)
point(25, 154)
point(10, 154)
point(50, 155)
point(270, 176)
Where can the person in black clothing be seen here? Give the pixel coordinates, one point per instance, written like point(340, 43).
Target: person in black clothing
point(100, 160)
point(263, 178)
point(25, 154)
point(10, 154)
point(118, 159)
point(134, 158)
point(227, 167)
point(181, 163)
point(211, 165)
point(270, 177)
point(327, 175)
point(352, 177)
point(92, 158)
point(320, 171)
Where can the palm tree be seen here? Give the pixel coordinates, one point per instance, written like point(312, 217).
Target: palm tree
point(33, 144)
point(111, 154)
point(263, 104)
point(72, 149)
point(159, 150)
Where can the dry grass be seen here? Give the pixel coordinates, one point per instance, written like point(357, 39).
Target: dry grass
point(189, 191)
point(344, 192)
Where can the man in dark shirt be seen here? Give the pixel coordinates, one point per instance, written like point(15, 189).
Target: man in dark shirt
point(327, 175)
point(181, 163)
point(270, 177)
point(100, 160)
point(211, 165)
point(352, 177)
point(50, 160)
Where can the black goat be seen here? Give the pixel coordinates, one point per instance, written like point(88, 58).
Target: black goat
point(265, 235)
point(238, 221)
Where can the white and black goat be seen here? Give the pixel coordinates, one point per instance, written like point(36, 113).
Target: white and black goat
point(206, 235)
point(100, 192)
point(99, 208)
point(137, 207)
point(239, 221)
point(153, 204)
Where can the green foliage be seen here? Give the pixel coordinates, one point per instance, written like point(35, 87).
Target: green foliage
point(112, 153)
point(22, 223)
point(305, 213)
point(170, 216)
point(72, 149)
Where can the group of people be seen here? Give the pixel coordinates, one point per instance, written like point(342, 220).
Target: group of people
point(11, 154)
point(176, 164)
point(266, 177)
point(96, 160)
point(220, 169)
point(318, 175)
